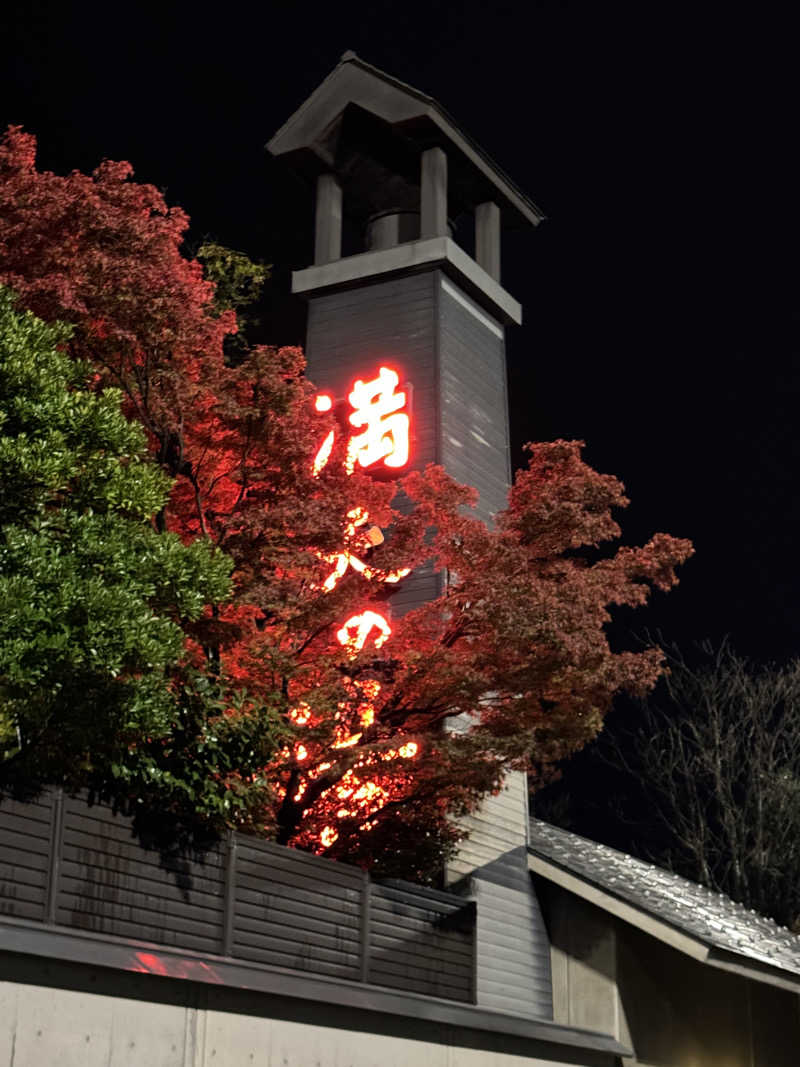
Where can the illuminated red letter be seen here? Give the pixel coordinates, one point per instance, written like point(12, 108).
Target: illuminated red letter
point(377, 407)
point(353, 635)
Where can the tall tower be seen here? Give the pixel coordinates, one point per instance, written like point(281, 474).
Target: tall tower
point(390, 286)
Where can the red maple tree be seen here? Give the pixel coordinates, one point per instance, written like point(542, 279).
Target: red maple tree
point(516, 645)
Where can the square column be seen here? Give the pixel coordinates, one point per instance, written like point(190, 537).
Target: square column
point(433, 194)
point(328, 220)
point(487, 238)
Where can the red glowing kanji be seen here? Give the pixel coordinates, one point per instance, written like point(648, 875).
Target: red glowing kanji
point(343, 560)
point(323, 402)
point(377, 407)
point(353, 635)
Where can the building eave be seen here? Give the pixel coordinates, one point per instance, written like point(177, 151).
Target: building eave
point(413, 256)
point(668, 933)
point(358, 82)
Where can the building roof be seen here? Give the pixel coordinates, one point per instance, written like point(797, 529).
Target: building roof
point(707, 925)
point(310, 135)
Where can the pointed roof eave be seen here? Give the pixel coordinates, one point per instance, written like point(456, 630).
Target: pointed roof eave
point(652, 899)
point(354, 81)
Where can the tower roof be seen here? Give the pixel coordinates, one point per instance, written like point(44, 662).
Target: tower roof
point(367, 127)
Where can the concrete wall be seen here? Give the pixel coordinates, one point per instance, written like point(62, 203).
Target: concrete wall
point(53, 1013)
point(672, 1010)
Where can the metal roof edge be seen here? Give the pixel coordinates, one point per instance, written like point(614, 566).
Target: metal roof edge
point(350, 57)
point(728, 960)
point(670, 934)
point(450, 122)
point(304, 106)
point(607, 900)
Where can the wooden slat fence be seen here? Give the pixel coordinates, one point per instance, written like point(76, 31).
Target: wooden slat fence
point(67, 863)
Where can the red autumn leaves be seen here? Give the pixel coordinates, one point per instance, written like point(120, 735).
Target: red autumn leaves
point(517, 642)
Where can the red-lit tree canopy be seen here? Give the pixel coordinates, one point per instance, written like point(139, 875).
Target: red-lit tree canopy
point(517, 640)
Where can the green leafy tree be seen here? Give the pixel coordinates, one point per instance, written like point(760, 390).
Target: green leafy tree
point(238, 284)
point(94, 684)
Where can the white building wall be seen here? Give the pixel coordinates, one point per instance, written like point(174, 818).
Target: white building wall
point(513, 972)
point(499, 825)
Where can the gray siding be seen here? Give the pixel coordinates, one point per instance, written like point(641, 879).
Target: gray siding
point(474, 425)
point(296, 910)
point(109, 884)
point(413, 936)
point(498, 826)
point(513, 964)
point(25, 833)
point(351, 334)
point(512, 959)
point(452, 354)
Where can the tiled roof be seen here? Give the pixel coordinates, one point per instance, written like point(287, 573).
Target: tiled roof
point(705, 915)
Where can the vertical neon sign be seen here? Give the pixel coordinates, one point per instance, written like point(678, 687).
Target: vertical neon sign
point(379, 412)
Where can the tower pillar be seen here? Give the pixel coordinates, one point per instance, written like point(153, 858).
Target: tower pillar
point(328, 220)
point(433, 193)
point(487, 238)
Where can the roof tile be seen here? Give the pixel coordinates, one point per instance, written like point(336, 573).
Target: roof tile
point(699, 912)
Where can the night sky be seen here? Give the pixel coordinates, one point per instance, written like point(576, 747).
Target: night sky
point(659, 297)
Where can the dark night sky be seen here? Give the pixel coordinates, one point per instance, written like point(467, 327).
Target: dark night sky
point(660, 295)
